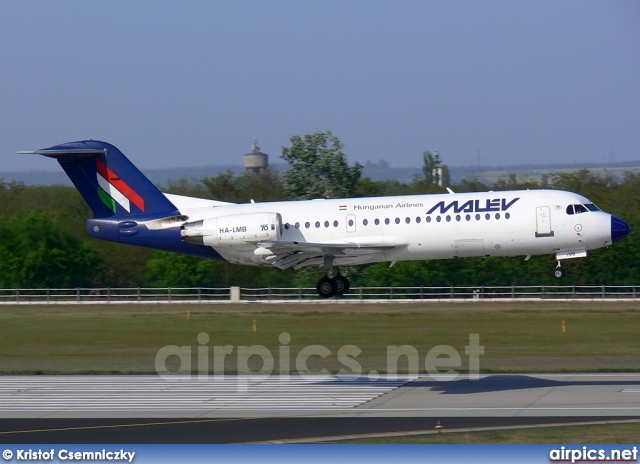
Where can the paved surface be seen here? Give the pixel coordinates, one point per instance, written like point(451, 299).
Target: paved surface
point(146, 409)
point(267, 430)
point(573, 395)
point(151, 396)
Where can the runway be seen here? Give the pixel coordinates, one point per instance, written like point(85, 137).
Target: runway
point(503, 395)
point(151, 396)
point(244, 408)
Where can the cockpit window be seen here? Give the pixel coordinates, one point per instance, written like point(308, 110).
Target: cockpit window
point(577, 209)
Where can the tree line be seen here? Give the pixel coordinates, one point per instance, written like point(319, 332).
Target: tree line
point(44, 242)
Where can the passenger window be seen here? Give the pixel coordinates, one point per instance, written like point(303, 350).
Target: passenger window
point(297, 225)
point(438, 219)
point(497, 215)
point(377, 222)
point(407, 220)
point(387, 221)
point(365, 222)
point(448, 218)
point(286, 226)
point(418, 220)
point(458, 217)
point(350, 222)
point(317, 224)
point(477, 217)
point(468, 217)
point(507, 215)
point(487, 216)
point(397, 220)
point(307, 225)
point(428, 219)
point(335, 223)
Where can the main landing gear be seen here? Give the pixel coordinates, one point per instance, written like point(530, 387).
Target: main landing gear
point(330, 286)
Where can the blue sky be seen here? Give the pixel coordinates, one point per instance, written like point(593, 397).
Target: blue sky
point(191, 83)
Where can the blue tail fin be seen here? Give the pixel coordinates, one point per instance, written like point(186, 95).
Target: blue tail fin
point(109, 183)
point(123, 200)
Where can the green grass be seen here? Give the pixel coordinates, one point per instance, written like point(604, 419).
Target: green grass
point(609, 433)
point(517, 337)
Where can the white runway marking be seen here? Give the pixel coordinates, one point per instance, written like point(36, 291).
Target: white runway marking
point(506, 395)
point(131, 393)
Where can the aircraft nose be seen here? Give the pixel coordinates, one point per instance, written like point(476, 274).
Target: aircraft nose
point(619, 229)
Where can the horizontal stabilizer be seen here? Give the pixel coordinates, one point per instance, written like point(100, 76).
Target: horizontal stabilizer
point(54, 153)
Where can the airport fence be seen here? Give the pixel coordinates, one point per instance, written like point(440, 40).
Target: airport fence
point(273, 294)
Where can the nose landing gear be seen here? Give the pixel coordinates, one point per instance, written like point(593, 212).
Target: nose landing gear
point(558, 272)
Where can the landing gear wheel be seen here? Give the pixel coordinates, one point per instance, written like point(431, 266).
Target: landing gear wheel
point(558, 273)
point(341, 284)
point(326, 287)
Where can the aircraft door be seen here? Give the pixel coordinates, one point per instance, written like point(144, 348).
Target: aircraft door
point(351, 222)
point(543, 222)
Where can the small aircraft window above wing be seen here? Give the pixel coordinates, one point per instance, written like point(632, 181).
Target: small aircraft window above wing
point(592, 207)
point(570, 209)
point(580, 209)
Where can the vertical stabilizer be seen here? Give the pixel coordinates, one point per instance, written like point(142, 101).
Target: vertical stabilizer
point(109, 183)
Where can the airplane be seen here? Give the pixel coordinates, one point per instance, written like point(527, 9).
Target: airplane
point(128, 208)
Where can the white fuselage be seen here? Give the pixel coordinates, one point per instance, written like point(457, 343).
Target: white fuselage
point(442, 226)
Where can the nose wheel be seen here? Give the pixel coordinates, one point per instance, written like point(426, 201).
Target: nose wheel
point(558, 272)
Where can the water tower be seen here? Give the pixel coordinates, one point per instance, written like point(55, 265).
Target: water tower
point(255, 160)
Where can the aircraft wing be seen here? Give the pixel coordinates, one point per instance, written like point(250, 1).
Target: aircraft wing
point(285, 254)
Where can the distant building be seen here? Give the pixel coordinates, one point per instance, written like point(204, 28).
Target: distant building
point(256, 161)
point(437, 169)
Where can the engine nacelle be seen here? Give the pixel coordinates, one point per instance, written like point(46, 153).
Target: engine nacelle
point(234, 230)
